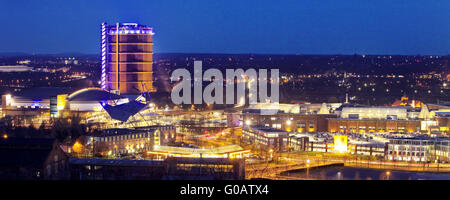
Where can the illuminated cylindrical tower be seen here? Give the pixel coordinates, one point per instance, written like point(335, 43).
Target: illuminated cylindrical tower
point(127, 58)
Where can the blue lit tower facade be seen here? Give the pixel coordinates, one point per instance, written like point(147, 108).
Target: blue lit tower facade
point(127, 58)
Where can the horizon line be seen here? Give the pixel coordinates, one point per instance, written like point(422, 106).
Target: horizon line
point(215, 53)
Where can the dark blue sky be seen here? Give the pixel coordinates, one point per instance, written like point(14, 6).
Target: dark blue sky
point(234, 26)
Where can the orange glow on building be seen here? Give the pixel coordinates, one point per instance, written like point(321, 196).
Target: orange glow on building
point(404, 101)
point(340, 143)
point(230, 151)
point(77, 147)
point(129, 58)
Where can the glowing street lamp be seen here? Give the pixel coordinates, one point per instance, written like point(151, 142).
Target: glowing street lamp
point(248, 122)
point(307, 168)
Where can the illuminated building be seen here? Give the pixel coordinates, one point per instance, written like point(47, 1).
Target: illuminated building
point(374, 113)
point(266, 137)
point(233, 119)
point(228, 151)
point(287, 108)
point(38, 105)
point(87, 99)
point(33, 97)
point(90, 99)
point(303, 108)
point(129, 141)
point(340, 143)
point(127, 58)
point(298, 142)
point(6, 101)
point(287, 121)
point(53, 107)
point(368, 149)
point(361, 119)
point(16, 68)
point(341, 125)
point(409, 149)
point(444, 123)
point(441, 150)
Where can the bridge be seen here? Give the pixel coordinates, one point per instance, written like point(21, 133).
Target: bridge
point(275, 172)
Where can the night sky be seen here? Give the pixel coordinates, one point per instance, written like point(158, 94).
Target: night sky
point(233, 26)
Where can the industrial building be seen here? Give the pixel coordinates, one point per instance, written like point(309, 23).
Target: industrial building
point(127, 58)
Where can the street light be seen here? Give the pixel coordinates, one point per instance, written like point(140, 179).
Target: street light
point(271, 152)
point(307, 168)
point(248, 122)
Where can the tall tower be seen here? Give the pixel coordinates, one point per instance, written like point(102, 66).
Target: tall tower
point(127, 58)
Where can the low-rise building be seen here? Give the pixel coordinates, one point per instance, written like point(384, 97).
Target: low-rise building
point(419, 149)
point(168, 169)
point(265, 137)
point(227, 151)
point(334, 143)
point(287, 121)
point(127, 141)
point(409, 149)
point(345, 125)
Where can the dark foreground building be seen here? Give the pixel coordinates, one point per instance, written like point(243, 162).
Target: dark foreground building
point(168, 169)
point(23, 158)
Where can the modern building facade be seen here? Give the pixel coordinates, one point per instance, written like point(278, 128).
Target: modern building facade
point(339, 144)
point(419, 149)
point(127, 58)
point(266, 138)
point(409, 149)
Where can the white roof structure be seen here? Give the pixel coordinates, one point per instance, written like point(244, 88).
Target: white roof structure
point(374, 112)
point(196, 152)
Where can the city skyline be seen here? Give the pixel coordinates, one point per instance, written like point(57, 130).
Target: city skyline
point(181, 91)
point(305, 27)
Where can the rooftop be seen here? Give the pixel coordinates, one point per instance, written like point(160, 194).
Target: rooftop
point(266, 129)
point(198, 151)
point(42, 92)
point(93, 94)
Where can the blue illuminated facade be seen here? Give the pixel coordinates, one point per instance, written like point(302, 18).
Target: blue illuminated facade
point(127, 58)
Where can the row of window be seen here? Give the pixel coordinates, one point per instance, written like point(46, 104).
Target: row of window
point(404, 153)
point(127, 137)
